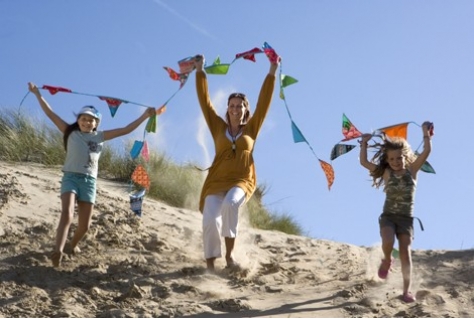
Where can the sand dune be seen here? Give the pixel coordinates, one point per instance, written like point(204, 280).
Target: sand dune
point(153, 266)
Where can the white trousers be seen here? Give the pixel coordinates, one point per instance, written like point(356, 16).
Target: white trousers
point(220, 218)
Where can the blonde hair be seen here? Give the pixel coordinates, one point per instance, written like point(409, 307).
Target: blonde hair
point(380, 157)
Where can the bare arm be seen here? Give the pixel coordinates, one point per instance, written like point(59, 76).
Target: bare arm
point(421, 159)
point(363, 153)
point(59, 122)
point(111, 134)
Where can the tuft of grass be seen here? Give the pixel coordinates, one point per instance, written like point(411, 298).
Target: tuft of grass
point(24, 139)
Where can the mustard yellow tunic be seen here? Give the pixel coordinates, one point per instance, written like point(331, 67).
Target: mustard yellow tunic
point(232, 168)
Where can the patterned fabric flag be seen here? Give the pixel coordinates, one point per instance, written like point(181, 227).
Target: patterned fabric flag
point(140, 177)
point(55, 89)
point(172, 73)
point(186, 65)
point(136, 201)
point(113, 103)
point(145, 152)
point(329, 171)
point(270, 53)
point(399, 130)
point(348, 129)
point(340, 149)
point(136, 149)
point(248, 55)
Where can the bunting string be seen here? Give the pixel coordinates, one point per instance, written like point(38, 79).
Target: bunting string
point(284, 80)
point(350, 132)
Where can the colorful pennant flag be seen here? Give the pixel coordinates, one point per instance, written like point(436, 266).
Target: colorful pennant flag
point(329, 171)
point(55, 89)
point(348, 129)
point(145, 152)
point(136, 149)
point(340, 149)
point(249, 55)
point(140, 177)
point(399, 130)
point(136, 201)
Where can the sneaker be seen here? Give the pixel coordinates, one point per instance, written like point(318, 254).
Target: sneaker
point(384, 268)
point(408, 297)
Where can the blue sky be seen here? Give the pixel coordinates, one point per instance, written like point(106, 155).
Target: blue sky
point(379, 62)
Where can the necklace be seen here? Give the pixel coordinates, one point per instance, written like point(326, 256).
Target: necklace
point(234, 137)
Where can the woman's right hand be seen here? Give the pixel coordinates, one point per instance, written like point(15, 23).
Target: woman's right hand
point(199, 62)
point(33, 88)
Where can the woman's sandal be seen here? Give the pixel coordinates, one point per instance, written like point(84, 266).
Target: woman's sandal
point(384, 268)
point(408, 297)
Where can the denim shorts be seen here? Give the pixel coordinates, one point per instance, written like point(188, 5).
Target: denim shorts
point(84, 186)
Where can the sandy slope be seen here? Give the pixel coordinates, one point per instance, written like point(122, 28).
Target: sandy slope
point(153, 266)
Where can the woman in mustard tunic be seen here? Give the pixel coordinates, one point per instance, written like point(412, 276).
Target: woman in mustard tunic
point(231, 180)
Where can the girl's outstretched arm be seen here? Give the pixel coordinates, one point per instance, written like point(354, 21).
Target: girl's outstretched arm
point(59, 122)
point(110, 134)
point(363, 153)
point(421, 159)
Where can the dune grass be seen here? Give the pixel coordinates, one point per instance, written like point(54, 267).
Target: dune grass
point(24, 139)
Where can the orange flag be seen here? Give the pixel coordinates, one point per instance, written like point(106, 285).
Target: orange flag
point(329, 171)
point(399, 130)
point(140, 177)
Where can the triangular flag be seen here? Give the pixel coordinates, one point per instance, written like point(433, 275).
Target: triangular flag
point(186, 65)
point(287, 80)
point(328, 171)
point(55, 89)
point(297, 135)
point(172, 73)
point(249, 55)
point(145, 152)
point(151, 124)
point(140, 177)
point(136, 149)
point(340, 149)
point(270, 53)
point(220, 69)
point(348, 129)
point(136, 201)
point(282, 94)
point(399, 130)
point(426, 167)
point(113, 103)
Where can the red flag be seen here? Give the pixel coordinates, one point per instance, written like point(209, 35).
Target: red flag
point(55, 89)
point(249, 55)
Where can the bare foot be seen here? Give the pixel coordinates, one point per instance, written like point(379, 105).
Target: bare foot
point(210, 264)
point(56, 258)
point(75, 251)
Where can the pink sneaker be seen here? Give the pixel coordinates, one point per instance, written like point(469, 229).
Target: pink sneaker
point(408, 297)
point(384, 268)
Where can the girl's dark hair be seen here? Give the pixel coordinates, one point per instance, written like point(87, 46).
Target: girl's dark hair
point(246, 104)
point(71, 128)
